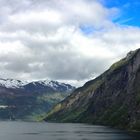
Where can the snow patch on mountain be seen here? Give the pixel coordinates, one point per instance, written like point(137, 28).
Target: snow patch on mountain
point(56, 86)
point(12, 83)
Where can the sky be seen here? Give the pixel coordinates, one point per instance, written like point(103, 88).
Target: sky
point(70, 41)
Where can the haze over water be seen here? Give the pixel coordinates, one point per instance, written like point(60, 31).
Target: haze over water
point(57, 131)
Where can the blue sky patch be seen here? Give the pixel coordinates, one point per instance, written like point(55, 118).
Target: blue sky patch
point(87, 29)
point(130, 11)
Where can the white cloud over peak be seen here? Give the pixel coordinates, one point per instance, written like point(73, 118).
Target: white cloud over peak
point(49, 39)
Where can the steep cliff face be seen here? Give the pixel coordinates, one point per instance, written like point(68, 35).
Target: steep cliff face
point(113, 98)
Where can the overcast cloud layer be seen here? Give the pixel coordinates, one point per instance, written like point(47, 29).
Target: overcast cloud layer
point(66, 40)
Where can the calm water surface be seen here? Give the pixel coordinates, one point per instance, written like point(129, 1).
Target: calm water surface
point(56, 131)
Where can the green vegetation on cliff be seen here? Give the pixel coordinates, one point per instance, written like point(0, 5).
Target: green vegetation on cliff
point(112, 99)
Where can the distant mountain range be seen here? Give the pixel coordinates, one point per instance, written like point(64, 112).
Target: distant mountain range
point(52, 85)
point(30, 100)
point(112, 99)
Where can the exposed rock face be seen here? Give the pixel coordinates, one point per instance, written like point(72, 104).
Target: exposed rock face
point(113, 98)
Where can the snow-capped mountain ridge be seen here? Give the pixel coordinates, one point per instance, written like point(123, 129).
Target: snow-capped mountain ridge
point(12, 83)
point(55, 85)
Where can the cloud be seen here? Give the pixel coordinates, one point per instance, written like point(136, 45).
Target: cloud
point(44, 39)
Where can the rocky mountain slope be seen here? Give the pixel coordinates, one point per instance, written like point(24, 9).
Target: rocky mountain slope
point(29, 100)
point(112, 99)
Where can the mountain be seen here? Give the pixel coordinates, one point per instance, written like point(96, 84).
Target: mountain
point(11, 83)
point(111, 99)
point(36, 85)
point(30, 100)
point(48, 86)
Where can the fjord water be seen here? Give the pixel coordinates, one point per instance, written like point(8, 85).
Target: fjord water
point(58, 131)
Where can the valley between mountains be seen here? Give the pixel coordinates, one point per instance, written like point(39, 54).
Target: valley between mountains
point(20, 100)
point(113, 98)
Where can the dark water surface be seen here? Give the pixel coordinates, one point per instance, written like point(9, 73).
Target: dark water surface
point(55, 131)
